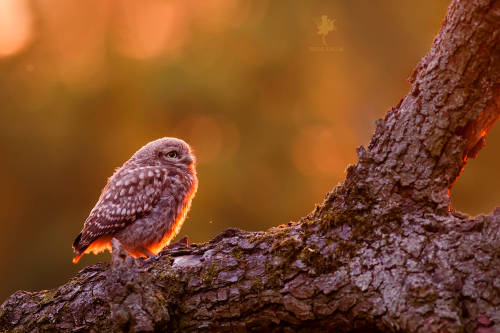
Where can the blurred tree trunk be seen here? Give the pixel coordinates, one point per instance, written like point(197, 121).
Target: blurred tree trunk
point(384, 251)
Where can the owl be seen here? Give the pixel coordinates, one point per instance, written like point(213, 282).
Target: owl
point(144, 203)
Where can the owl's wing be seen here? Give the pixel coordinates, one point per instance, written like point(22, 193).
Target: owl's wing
point(129, 195)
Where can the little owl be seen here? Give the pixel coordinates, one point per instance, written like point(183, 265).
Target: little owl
point(144, 203)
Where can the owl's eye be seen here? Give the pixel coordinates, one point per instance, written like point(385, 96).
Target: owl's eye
point(172, 154)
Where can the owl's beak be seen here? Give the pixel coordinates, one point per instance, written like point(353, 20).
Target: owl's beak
point(188, 159)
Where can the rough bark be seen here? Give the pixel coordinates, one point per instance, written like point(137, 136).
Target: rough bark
point(384, 251)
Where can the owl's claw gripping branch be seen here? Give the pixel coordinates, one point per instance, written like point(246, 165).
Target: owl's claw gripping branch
point(183, 242)
point(382, 254)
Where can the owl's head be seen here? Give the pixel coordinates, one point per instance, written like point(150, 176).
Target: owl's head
point(168, 152)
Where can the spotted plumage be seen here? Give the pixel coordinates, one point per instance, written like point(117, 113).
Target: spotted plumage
point(144, 203)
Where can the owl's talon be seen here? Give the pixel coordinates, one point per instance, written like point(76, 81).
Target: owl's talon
point(183, 242)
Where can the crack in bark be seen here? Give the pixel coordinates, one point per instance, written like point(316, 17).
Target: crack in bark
point(384, 252)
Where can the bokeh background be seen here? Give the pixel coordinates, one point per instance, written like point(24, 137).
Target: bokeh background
point(274, 121)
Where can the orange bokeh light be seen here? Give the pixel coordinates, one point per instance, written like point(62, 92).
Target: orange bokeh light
point(147, 28)
point(316, 150)
point(16, 26)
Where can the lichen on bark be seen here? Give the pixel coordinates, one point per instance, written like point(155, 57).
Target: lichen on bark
point(385, 251)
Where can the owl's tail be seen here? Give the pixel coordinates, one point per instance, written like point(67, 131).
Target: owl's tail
point(78, 248)
point(98, 245)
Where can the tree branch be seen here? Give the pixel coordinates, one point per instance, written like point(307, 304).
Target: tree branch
point(383, 252)
point(423, 144)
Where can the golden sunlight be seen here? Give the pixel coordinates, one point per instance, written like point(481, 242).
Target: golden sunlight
point(146, 29)
point(16, 25)
point(317, 150)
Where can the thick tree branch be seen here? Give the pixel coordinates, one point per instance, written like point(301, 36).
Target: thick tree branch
point(383, 252)
point(423, 144)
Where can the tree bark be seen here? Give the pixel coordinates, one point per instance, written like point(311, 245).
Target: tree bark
point(383, 252)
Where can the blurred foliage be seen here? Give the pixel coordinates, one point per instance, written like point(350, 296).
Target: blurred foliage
point(274, 121)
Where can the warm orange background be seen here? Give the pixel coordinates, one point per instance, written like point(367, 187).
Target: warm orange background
point(83, 84)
